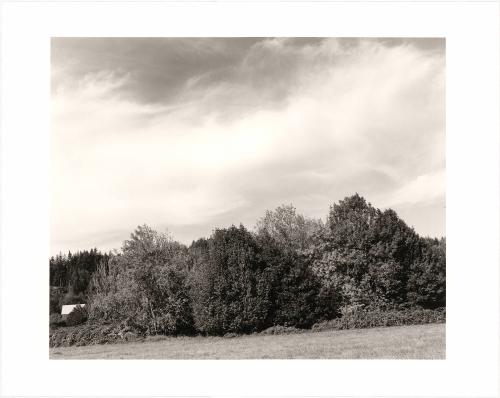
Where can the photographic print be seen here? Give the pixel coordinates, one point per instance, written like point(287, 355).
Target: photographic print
point(247, 198)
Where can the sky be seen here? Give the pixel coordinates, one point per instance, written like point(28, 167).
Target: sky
point(191, 134)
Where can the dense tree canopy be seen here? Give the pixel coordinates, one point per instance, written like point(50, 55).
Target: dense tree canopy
point(372, 256)
point(231, 292)
point(70, 276)
point(73, 271)
point(293, 271)
point(289, 229)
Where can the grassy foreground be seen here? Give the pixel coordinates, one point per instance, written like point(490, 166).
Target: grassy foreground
point(398, 342)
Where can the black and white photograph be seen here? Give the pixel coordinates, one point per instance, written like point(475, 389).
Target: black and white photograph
point(247, 198)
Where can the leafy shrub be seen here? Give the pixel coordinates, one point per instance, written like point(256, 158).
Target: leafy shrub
point(145, 287)
point(78, 316)
point(56, 321)
point(89, 334)
point(151, 298)
point(357, 319)
point(278, 329)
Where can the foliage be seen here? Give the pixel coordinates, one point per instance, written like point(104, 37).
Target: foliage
point(56, 298)
point(78, 316)
point(230, 289)
point(73, 271)
point(373, 258)
point(365, 267)
point(55, 321)
point(427, 279)
point(359, 318)
point(290, 230)
point(89, 334)
point(296, 297)
point(243, 283)
point(71, 298)
point(278, 330)
point(145, 286)
point(59, 296)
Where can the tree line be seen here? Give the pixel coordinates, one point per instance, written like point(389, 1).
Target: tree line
point(290, 271)
point(70, 276)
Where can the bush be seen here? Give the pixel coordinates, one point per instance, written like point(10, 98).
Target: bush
point(358, 319)
point(89, 334)
point(78, 316)
point(145, 286)
point(56, 321)
point(151, 298)
point(278, 329)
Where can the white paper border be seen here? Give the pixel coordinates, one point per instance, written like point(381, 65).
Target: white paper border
point(471, 367)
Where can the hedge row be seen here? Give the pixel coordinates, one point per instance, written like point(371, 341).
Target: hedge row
point(278, 329)
point(90, 334)
point(376, 318)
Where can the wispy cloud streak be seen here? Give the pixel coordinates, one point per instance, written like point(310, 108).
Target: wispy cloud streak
point(244, 126)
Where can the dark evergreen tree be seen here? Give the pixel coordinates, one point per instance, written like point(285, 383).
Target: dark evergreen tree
point(296, 295)
point(231, 291)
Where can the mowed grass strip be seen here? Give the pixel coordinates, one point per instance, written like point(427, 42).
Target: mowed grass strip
point(398, 342)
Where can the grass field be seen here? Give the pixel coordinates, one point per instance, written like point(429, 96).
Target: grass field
point(399, 342)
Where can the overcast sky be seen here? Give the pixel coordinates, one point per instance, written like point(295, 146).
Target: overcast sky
point(192, 134)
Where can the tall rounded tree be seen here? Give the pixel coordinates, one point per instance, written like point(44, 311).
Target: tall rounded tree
point(367, 253)
point(230, 292)
point(145, 285)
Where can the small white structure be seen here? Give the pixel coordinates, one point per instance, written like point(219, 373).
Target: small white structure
point(67, 309)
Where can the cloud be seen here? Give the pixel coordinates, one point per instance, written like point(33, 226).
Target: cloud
point(262, 122)
point(424, 189)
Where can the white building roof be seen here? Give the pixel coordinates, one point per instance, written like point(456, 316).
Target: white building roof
point(66, 309)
